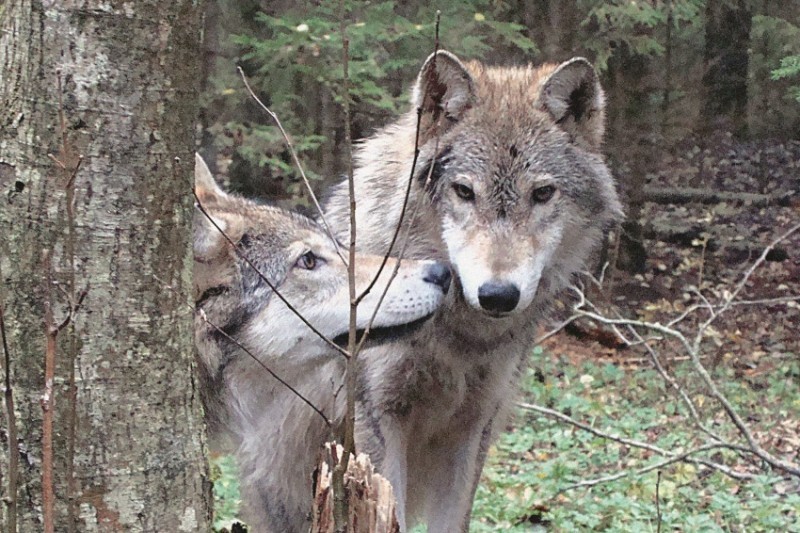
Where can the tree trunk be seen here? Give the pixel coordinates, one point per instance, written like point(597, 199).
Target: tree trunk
point(98, 105)
point(726, 59)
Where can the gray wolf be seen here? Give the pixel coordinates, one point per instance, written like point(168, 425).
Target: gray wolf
point(514, 193)
point(273, 434)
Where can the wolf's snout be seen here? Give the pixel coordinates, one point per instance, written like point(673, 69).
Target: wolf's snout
point(498, 297)
point(438, 274)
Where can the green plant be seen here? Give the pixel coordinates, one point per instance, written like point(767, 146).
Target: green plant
point(790, 68)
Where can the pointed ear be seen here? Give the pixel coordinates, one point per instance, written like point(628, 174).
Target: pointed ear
point(214, 258)
point(205, 186)
point(573, 97)
point(444, 91)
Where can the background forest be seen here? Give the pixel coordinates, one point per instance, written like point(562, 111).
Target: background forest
point(703, 134)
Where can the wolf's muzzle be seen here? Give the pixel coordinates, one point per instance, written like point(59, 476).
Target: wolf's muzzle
point(438, 274)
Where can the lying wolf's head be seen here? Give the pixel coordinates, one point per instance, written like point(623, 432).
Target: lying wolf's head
point(301, 261)
point(511, 160)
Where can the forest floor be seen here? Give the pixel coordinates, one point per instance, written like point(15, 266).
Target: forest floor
point(549, 474)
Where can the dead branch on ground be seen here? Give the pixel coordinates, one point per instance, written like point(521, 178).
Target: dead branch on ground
point(692, 347)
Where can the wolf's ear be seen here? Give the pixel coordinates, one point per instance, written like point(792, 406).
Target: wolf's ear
point(443, 92)
point(205, 186)
point(573, 97)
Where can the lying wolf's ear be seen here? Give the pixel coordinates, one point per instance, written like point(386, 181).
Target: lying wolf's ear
point(205, 186)
point(444, 91)
point(209, 240)
point(573, 97)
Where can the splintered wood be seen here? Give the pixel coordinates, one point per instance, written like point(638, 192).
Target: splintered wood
point(371, 503)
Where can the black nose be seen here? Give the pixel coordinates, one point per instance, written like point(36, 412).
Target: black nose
point(498, 297)
point(438, 274)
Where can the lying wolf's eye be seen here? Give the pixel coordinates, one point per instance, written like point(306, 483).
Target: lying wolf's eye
point(464, 192)
point(308, 261)
point(542, 195)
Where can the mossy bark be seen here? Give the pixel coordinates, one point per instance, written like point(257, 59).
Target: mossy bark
point(109, 88)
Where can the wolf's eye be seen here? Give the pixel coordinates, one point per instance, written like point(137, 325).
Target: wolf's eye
point(464, 192)
point(542, 195)
point(308, 261)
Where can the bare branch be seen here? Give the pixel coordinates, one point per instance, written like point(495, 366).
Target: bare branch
point(658, 503)
point(296, 160)
point(685, 456)
point(551, 413)
point(410, 179)
point(341, 505)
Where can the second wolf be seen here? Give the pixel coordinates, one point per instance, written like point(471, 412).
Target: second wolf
point(242, 250)
point(511, 188)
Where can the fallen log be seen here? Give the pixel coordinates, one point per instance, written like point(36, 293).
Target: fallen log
point(685, 195)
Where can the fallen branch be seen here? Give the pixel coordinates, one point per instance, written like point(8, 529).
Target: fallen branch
point(693, 349)
point(673, 457)
point(685, 195)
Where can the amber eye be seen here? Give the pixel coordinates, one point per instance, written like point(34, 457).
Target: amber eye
point(308, 261)
point(464, 192)
point(542, 195)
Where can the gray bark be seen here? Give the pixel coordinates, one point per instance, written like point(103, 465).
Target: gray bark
point(128, 439)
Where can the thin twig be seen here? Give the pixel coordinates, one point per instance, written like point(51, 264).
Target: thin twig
point(658, 502)
point(685, 456)
point(400, 256)
point(352, 348)
point(13, 441)
point(204, 318)
point(551, 413)
point(340, 500)
point(417, 206)
point(410, 176)
point(266, 280)
point(296, 160)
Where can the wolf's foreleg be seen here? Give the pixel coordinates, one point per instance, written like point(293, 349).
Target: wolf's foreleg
point(451, 483)
point(395, 468)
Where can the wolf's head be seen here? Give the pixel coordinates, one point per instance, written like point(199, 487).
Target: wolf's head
point(511, 160)
point(241, 248)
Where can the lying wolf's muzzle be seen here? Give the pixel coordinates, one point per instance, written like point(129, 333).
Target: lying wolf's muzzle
point(383, 334)
point(436, 274)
